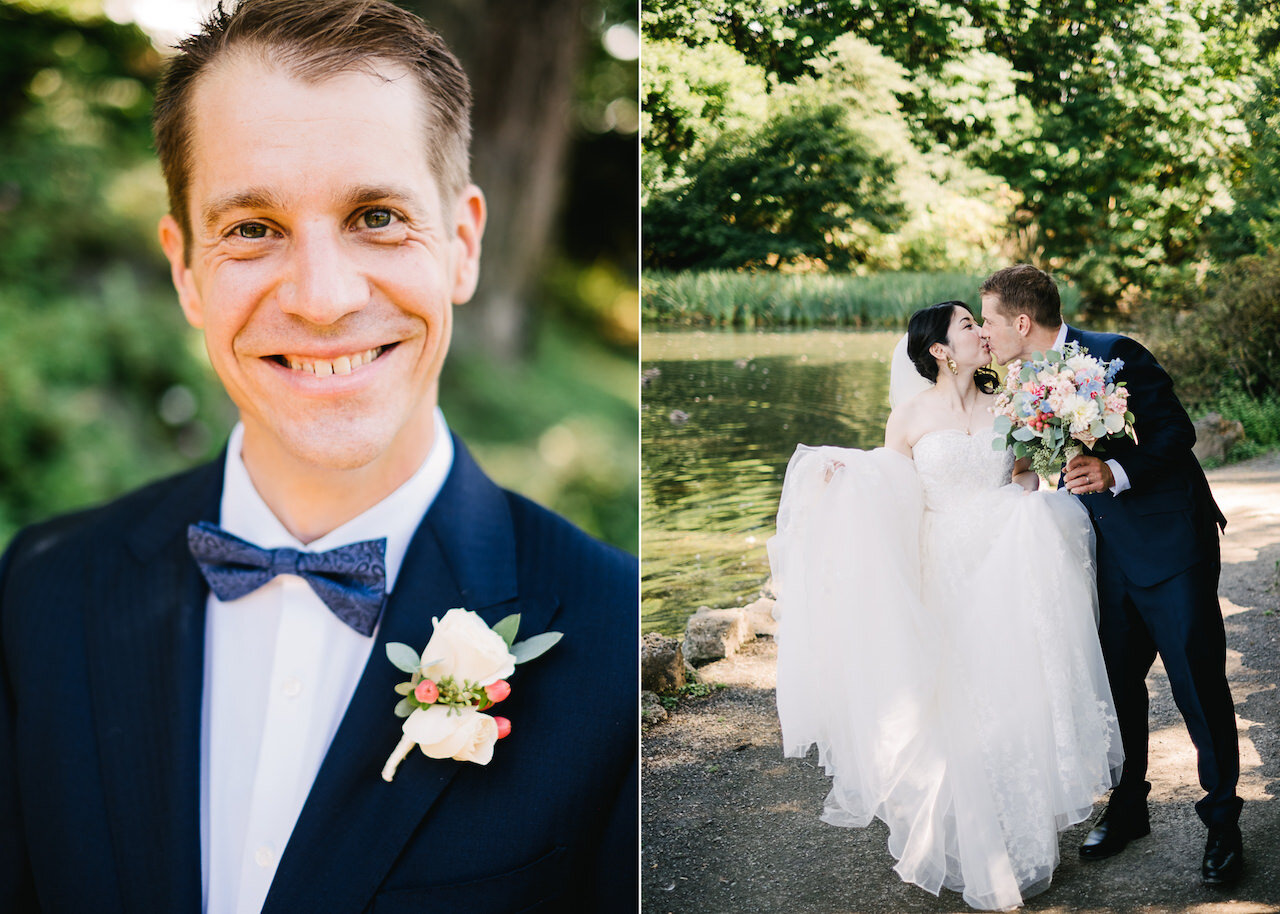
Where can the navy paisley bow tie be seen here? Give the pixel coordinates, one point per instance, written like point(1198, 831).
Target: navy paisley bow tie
point(351, 580)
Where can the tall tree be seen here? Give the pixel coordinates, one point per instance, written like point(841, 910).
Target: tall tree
point(523, 57)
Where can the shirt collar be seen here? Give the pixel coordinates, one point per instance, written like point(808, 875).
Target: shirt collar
point(396, 517)
point(1062, 337)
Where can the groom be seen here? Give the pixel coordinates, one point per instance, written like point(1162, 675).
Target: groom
point(1157, 563)
point(168, 748)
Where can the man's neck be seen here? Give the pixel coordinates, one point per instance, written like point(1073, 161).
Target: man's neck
point(1040, 339)
point(310, 500)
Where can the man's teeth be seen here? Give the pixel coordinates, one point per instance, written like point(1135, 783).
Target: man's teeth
point(344, 364)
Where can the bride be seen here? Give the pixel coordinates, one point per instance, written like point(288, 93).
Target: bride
point(937, 635)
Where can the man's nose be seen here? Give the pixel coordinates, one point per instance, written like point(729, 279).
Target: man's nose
point(325, 282)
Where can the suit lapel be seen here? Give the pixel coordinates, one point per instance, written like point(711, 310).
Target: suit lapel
point(354, 824)
point(146, 666)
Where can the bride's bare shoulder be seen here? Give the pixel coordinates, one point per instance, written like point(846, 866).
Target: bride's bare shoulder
point(905, 421)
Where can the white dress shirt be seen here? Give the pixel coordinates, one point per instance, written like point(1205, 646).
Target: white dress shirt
point(1121, 477)
point(280, 669)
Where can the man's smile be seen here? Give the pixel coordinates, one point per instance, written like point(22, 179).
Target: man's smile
point(337, 365)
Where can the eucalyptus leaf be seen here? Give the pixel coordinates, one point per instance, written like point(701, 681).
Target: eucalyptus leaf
point(536, 646)
point(999, 444)
point(1024, 433)
point(404, 657)
point(404, 688)
point(1097, 429)
point(1002, 425)
point(508, 627)
point(1019, 449)
point(1027, 373)
point(1053, 357)
point(405, 707)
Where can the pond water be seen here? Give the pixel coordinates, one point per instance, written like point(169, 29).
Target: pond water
point(721, 414)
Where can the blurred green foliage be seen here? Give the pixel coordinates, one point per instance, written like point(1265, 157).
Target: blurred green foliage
point(103, 386)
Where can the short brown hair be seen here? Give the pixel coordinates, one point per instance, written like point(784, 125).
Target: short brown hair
point(314, 39)
point(1023, 289)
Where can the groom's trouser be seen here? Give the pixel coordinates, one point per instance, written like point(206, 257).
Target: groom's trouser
point(1180, 619)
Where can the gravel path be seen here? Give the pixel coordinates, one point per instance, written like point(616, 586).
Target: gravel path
point(731, 826)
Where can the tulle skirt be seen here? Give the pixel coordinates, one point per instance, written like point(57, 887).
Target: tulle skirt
point(946, 665)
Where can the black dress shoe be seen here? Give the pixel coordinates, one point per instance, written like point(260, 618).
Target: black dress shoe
point(1113, 831)
point(1223, 856)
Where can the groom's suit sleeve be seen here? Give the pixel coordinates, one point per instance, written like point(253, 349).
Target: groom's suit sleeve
point(17, 888)
point(1165, 433)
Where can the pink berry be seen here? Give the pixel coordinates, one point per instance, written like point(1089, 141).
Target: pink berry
point(426, 692)
point(504, 727)
point(497, 690)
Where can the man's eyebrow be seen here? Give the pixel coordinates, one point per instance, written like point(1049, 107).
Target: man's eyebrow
point(252, 198)
point(371, 193)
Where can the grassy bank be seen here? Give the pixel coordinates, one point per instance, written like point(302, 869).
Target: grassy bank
point(728, 299)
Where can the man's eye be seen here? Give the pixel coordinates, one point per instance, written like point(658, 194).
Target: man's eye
point(250, 230)
point(376, 218)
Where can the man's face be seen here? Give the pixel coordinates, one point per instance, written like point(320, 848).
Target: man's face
point(324, 262)
point(1002, 334)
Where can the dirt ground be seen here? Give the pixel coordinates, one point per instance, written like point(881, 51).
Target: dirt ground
point(731, 826)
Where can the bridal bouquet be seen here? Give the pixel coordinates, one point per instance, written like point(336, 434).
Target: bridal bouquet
point(1054, 407)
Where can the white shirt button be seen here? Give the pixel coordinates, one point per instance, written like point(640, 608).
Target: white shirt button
point(263, 856)
point(291, 687)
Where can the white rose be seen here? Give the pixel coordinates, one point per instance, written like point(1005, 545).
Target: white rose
point(463, 734)
point(1078, 363)
point(1082, 415)
point(466, 649)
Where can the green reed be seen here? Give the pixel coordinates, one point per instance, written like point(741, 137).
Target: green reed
point(729, 299)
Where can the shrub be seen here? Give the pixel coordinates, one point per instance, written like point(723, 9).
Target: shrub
point(1230, 341)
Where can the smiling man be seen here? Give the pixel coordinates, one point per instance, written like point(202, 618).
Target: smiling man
point(195, 692)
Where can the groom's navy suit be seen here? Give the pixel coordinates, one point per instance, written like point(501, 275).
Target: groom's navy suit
point(102, 621)
point(1158, 563)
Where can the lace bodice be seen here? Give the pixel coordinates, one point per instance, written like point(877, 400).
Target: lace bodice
point(954, 466)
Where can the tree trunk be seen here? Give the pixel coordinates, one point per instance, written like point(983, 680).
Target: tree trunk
point(523, 58)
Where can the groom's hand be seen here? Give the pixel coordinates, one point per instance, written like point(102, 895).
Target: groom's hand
point(1086, 475)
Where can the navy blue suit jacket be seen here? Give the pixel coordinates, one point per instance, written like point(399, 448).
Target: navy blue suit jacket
point(1165, 522)
point(102, 621)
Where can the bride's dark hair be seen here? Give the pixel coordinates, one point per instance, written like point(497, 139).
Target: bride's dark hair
point(928, 326)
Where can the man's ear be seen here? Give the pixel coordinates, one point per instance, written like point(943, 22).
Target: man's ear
point(1023, 323)
point(174, 246)
point(468, 229)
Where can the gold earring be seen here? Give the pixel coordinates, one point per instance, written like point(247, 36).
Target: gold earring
point(951, 363)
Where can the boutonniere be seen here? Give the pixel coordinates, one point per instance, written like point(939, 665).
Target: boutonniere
point(462, 673)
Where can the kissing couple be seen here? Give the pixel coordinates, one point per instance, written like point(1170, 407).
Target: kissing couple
point(969, 652)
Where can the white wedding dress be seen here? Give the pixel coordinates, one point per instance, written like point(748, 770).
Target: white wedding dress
point(937, 641)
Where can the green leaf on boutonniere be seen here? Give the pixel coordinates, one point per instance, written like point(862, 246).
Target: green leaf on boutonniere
point(404, 688)
point(536, 646)
point(402, 656)
point(405, 707)
point(507, 628)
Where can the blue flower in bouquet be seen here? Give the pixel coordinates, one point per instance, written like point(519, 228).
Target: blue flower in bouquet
point(1092, 388)
point(1113, 368)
